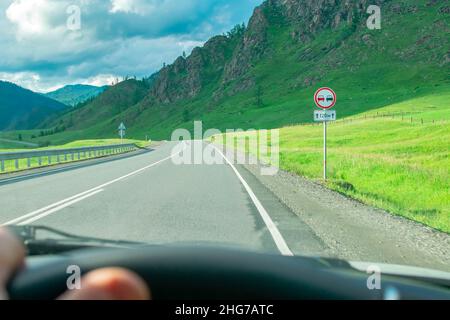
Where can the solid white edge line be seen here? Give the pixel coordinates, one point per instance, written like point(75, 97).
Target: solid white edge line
point(276, 234)
point(65, 205)
point(31, 214)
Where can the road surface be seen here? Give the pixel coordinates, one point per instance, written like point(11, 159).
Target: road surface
point(148, 198)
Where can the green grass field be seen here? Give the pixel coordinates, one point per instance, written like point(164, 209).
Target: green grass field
point(386, 162)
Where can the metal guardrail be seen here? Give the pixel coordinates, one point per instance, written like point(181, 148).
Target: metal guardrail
point(62, 154)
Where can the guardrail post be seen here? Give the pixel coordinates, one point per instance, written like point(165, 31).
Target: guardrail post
point(79, 155)
point(49, 159)
point(57, 158)
point(65, 156)
point(2, 165)
point(29, 162)
point(40, 161)
point(16, 162)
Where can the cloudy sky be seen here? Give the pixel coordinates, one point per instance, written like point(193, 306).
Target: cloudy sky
point(46, 44)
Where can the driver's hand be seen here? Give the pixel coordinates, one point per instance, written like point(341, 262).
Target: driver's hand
point(102, 284)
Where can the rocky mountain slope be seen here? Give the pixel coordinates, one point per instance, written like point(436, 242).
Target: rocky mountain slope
point(264, 75)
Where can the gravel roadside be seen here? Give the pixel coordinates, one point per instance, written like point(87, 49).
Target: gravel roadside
point(354, 231)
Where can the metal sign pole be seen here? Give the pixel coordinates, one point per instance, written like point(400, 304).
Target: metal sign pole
point(325, 150)
point(325, 98)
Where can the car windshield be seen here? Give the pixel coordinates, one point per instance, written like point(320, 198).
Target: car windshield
point(290, 127)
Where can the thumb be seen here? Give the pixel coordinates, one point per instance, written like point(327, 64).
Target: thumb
point(110, 284)
point(12, 257)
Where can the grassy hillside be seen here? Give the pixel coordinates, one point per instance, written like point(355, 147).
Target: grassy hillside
point(265, 76)
point(72, 95)
point(99, 118)
point(23, 109)
point(12, 144)
point(383, 159)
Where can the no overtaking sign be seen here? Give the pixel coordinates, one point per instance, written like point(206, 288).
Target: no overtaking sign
point(325, 98)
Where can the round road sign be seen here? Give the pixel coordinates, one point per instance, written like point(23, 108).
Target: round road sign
point(325, 98)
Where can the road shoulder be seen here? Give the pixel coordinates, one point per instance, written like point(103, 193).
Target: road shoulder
point(353, 231)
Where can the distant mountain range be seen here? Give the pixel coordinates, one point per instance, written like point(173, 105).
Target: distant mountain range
point(72, 95)
point(24, 109)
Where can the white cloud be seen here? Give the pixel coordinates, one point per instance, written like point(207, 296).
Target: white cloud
point(28, 80)
point(34, 17)
point(141, 7)
point(99, 80)
point(117, 37)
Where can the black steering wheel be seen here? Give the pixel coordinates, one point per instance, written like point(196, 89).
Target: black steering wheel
point(178, 273)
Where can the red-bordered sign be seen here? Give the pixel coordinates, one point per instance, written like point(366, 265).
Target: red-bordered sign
point(325, 98)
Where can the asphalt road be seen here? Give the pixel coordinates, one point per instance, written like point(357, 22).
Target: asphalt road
point(148, 198)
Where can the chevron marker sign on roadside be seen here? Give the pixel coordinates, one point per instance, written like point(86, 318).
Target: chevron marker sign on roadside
point(122, 130)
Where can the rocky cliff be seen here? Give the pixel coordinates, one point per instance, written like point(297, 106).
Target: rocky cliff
point(264, 74)
point(185, 78)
